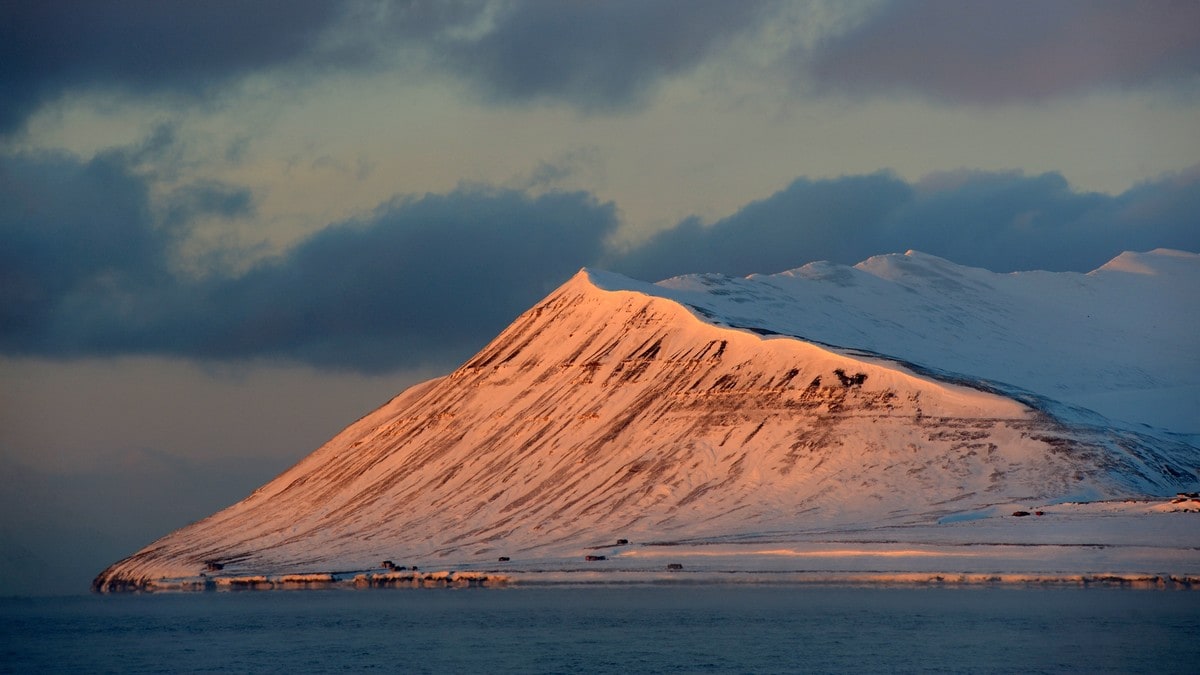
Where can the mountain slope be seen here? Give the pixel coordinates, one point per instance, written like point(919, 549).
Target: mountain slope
point(1119, 340)
point(649, 412)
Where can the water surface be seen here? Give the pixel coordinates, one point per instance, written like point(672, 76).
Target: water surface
point(655, 629)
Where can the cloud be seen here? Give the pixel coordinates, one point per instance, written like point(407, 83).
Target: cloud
point(83, 237)
point(1001, 52)
point(50, 47)
point(421, 280)
point(91, 263)
point(68, 226)
point(999, 221)
point(595, 55)
point(88, 269)
point(810, 220)
point(207, 198)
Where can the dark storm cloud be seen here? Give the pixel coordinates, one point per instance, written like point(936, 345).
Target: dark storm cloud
point(48, 47)
point(999, 221)
point(81, 238)
point(998, 52)
point(88, 260)
point(830, 219)
point(422, 280)
point(596, 55)
point(1009, 221)
point(86, 269)
point(66, 226)
point(206, 198)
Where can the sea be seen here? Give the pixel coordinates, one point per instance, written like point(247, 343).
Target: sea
point(712, 628)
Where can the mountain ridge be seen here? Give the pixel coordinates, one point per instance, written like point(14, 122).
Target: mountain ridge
point(615, 408)
point(924, 310)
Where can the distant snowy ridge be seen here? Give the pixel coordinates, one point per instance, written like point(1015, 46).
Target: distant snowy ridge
point(903, 392)
point(1120, 340)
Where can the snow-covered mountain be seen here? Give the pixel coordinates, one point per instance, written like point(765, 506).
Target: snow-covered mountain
point(903, 393)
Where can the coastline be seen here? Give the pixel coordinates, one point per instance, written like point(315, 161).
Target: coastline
point(448, 579)
point(1138, 544)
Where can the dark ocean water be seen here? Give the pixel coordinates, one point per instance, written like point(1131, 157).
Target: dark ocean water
point(571, 629)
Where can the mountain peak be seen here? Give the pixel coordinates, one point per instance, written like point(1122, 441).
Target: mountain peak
point(607, 281)
point(1156, 262)
point(719, 410)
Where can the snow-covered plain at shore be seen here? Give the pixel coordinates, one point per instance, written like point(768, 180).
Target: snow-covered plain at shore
point(1128, 543)
point(877, 423)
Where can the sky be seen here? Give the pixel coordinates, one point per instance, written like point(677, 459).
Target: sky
point(227, 234)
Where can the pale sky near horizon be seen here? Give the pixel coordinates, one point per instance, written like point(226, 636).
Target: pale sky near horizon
point(226, 235)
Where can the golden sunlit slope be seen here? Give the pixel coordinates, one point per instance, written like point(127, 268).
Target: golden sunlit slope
point(605, 413)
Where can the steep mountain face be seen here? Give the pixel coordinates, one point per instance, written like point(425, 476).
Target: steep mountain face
point(709, 408)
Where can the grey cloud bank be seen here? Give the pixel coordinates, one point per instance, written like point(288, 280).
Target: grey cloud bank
point(603, 55)
point(590, 55)
point(48, 48)
point(999, 221)
point(421, 280)
point(91, 250)
point(88, 271)
point(1004, 52)
point(596, 57)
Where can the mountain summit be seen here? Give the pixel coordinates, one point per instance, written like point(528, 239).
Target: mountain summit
point(904, 399)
